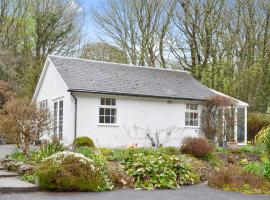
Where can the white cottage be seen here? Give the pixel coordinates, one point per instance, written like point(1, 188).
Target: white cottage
point(117, 105)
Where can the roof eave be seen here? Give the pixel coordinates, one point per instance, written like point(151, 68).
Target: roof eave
point(134, 95)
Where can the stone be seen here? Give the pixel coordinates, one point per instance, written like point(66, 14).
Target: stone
point(14, 184)
point(25, 168)
point(4, 173)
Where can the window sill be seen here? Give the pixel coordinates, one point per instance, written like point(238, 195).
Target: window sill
point(193, 127)
point(109, 125)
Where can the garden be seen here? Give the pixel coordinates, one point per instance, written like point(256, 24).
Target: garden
point(84, 167)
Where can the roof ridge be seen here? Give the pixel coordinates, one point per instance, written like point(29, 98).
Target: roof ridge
point(122, 64)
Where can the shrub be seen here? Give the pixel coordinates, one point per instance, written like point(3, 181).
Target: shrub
point(18, 155)
point(258, 149)
point(84, 141)
point(160, 171)
point(197, 146)
point(262, 169)
point(256, 121)
point(263, 138)
point(235, 179)
point(68, 171)
point(86, 151)
point(97, 157)
point(49, 149)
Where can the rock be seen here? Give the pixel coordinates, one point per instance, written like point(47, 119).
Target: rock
point(25, 168)
point(11, 164)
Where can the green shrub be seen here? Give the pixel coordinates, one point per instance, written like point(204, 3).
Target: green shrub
point(263, 138)
point(106, 152)
point(97, 157)
point(68, 171)
point(256, 121)
point(29, 178)
point(197, 146)
point(48, 149)
point(83, 141)
point(257, 149)
point(18, 155)
point(86, 151)
point(262, 169)
point(158, 170)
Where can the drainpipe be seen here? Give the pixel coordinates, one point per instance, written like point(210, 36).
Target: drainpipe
point(75, 115)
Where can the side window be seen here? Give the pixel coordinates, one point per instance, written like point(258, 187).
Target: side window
point(55, 117)
point(192, 115)
point(43, 104)
point(61, 122)
point(58, 118)
point(107, 111)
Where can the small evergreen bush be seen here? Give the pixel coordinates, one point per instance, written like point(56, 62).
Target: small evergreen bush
point(68, 171)
point(83, 141)
point(197, 146)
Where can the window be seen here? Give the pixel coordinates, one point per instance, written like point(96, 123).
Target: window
point(55, 113)
point(43, 104)
point(60, 131)
point(58, 113)
point(107, 111)
point(191, 115)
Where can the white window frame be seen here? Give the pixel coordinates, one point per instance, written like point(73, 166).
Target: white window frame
point(43, 104)
point(107, 107)
point(57, 122)
point(189, 110)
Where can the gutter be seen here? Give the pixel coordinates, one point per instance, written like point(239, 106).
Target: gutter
point(75, 115)
point(134, 95)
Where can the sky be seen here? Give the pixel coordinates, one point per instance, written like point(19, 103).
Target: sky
point(91, 33)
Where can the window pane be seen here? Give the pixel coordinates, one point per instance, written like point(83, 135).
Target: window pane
point(108, 101)
point(61, 122)
point(195, 115)
point(113, 111)
point(101, 119)
point(55, 111)
point(102, 101)
point(113, 102)
point(195, 122)
point(113, 120)
point(187, 106)
point(107, 111)
point(187, 115)
point(187, 122)
point(107, 119)
point(101, 111)
point(240, 125)
point(191, 122)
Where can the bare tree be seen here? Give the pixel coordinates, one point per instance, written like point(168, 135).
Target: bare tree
point(24, 122)
point(139, 28)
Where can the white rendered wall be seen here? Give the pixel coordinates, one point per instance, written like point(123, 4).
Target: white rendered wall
point(155, 114)
point(53, 89)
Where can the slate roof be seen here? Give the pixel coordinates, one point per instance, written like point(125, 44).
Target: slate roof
point(110, 78)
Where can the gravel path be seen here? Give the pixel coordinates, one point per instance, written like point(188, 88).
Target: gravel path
point(6, 149)
point(198, 192)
